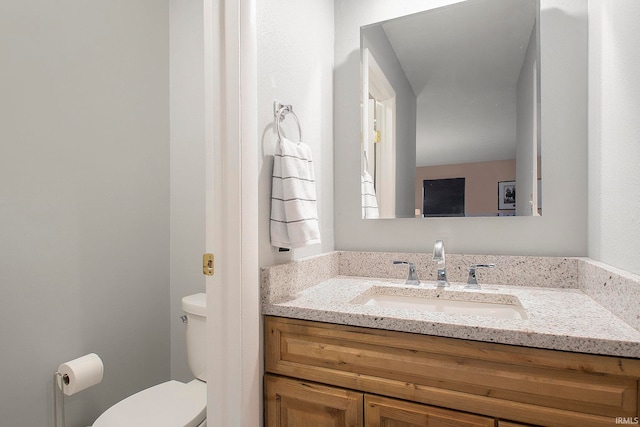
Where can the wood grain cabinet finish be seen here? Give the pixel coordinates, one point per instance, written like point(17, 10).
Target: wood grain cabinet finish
point(294, 403)
point(502, 423)
point(385, 412)
point(525, 385)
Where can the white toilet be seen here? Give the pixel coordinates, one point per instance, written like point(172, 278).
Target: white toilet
point(171, 404)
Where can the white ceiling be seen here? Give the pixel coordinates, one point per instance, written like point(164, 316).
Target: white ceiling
point(463, 62)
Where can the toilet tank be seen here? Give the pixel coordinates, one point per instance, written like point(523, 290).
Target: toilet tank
point(195, 307)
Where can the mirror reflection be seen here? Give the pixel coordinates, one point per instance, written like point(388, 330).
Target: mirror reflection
point(450, 112)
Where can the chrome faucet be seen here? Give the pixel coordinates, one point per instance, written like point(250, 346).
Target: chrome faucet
point(413, 276)
point(472, 281)
point(438, 255)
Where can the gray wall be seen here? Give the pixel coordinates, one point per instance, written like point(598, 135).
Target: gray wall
point(295, 66)
point(187, 168)
point(375, 39)
point(562, 230)
point(614, 133)
point(84, 201)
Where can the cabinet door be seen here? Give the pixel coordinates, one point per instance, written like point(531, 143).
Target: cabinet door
point(384, 412)
point(511, 424)
point(294, 403)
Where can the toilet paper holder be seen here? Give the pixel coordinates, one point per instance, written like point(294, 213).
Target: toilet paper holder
point(74, 376)
point(64, 381)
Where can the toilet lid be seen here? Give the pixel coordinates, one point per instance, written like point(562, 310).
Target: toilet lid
point(170, 404)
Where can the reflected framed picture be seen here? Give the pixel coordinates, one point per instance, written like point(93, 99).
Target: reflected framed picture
point(506, 195)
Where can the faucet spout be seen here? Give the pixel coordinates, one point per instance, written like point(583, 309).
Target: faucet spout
point(438, 255)
point(438, 251)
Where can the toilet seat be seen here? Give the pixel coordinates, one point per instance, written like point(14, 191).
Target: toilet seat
point(170, 404)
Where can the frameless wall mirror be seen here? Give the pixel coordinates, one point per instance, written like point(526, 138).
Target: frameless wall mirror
point(450, 112)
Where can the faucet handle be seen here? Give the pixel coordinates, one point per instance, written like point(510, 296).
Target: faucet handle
point(472, 281)
point(412, 279)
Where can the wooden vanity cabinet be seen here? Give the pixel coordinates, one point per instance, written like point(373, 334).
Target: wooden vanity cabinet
point(295, 403)
point(403, 378)
point(384, 412)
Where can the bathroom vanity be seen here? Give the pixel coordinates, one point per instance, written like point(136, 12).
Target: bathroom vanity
point(334, 359)
point(323, 374)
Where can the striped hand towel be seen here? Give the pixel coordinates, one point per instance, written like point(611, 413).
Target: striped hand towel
point(294, 212)
point(369, 200)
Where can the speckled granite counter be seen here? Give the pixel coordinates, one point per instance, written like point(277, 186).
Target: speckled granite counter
point(559, 318)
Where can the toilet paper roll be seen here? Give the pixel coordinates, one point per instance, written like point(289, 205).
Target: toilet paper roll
point(80, 374)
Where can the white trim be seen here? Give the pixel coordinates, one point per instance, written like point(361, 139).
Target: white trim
point(250, 304)
point(376, 83)
point(233, 386)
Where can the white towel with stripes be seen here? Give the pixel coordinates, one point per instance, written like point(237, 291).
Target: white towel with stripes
point(369, 200)
point(294, 211)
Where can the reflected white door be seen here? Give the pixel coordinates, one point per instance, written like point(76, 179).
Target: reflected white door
point(379, 134)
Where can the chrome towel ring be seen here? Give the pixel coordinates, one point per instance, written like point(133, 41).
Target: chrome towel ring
point(280, 111)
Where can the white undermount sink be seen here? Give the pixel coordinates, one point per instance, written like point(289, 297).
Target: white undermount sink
point(449, 302)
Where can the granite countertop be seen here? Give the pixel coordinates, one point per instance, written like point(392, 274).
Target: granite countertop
point(556, 318)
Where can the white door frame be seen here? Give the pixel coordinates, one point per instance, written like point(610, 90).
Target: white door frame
point(233, 310)
point(376, 83)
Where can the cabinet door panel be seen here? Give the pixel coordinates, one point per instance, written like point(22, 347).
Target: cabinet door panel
point(293, 403)
point(384, 412)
